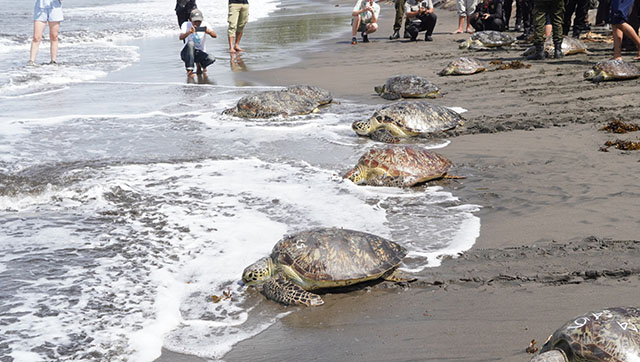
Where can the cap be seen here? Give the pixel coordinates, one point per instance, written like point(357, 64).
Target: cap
point(196, 15)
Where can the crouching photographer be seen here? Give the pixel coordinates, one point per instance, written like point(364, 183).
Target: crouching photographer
point(421, 17)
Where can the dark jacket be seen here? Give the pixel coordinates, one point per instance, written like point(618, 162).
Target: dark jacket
point(493, 8)
point(185, 6)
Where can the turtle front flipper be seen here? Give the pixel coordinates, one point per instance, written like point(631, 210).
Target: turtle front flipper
point(284, 291)
point(390, 96)
point(399, 277)
point(383, 135)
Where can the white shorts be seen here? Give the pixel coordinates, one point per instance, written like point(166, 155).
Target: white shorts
point(465, 7)
point(48, 10)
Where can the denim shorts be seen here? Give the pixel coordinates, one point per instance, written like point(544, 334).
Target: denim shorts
point(47, 10)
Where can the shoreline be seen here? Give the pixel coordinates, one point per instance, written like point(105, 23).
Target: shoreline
point(530, 154)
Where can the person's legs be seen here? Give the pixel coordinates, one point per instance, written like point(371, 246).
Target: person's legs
point(462, 13)
point(507, 8)
point(54, 28)
point(618, 31)
point(556, 11)
point(202, 60)
point(372, 27)
point(399, 4)
point(355, 24)
point(569, 8)
point(476, 23)
point(188, 57)
point(38, 29)
point(232, 19)
point(243, 18)
point(428, 24)
point(580, 21)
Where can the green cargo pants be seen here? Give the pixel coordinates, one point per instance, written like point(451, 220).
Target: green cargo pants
point(555, 9)
point(399, 15)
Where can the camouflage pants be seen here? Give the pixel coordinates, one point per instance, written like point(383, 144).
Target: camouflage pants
point(555, 9)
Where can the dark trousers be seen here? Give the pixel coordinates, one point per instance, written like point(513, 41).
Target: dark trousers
point(426, 22)
point(581, 8)
point(602, 16)
point(399, 15)
point(507, 8)
point(489, 24)
point(553, 8)
point(190, 55)
point(526, 7)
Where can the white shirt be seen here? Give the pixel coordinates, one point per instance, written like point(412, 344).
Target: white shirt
point(366, 16)
point(199, 38)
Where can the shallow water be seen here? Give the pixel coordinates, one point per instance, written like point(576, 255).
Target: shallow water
point(127, 200)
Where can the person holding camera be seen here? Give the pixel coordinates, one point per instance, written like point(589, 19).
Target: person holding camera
point(365, 19)
point(421, 17)
point(193, 33)
point(488, 16)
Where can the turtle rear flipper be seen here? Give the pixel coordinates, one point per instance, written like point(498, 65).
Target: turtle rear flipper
point(283, 291)
point(383, 135)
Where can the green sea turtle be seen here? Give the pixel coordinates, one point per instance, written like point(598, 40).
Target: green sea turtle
point(401, 166)
point(290, 101)
point(407, 119)
point(463, 66)
point(612, 70)
point(610, 335)
point(488, 39)
point(323, 258)
point(407, 86)
point(569, 46)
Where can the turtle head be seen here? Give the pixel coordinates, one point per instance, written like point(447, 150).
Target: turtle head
point(379, 89)
point(362, 128)
point(357, 175)
point(258, 272)
point(589, 74)
point(554, 355)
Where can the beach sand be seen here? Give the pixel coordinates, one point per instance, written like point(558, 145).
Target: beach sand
point(558, 216)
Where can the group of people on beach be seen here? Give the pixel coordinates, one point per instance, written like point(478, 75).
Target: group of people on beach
point(536, 18)
point(193, 31)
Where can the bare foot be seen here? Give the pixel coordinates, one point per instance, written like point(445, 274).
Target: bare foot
point(199, 70)
point(204, 71)
point(239, 49)
point(231, 50)
point(458, 31)
point(636, 58)
point(615, 58)
point(190, 74)
point(470, 31)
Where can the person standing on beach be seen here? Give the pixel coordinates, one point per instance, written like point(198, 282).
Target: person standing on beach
point(465, 9)
point(46, 11)
point(238, 18)
point(194, 51)
point(554, 9)
point(399, 4)
point(620, 10)
point(183, 10)
point(364, 19)
point(421, 16)
point(488, 16)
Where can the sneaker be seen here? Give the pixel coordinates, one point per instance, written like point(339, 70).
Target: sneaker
point(395, 35)
point(31, 63)
point(428, 38)
point(354, 41)
point(365, 37)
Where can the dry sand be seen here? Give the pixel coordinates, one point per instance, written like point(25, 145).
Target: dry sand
point(552, 204)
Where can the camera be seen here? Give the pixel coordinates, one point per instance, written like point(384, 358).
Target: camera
point(201, 28)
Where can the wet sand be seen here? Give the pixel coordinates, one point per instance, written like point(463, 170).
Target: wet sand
point(558, 215)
